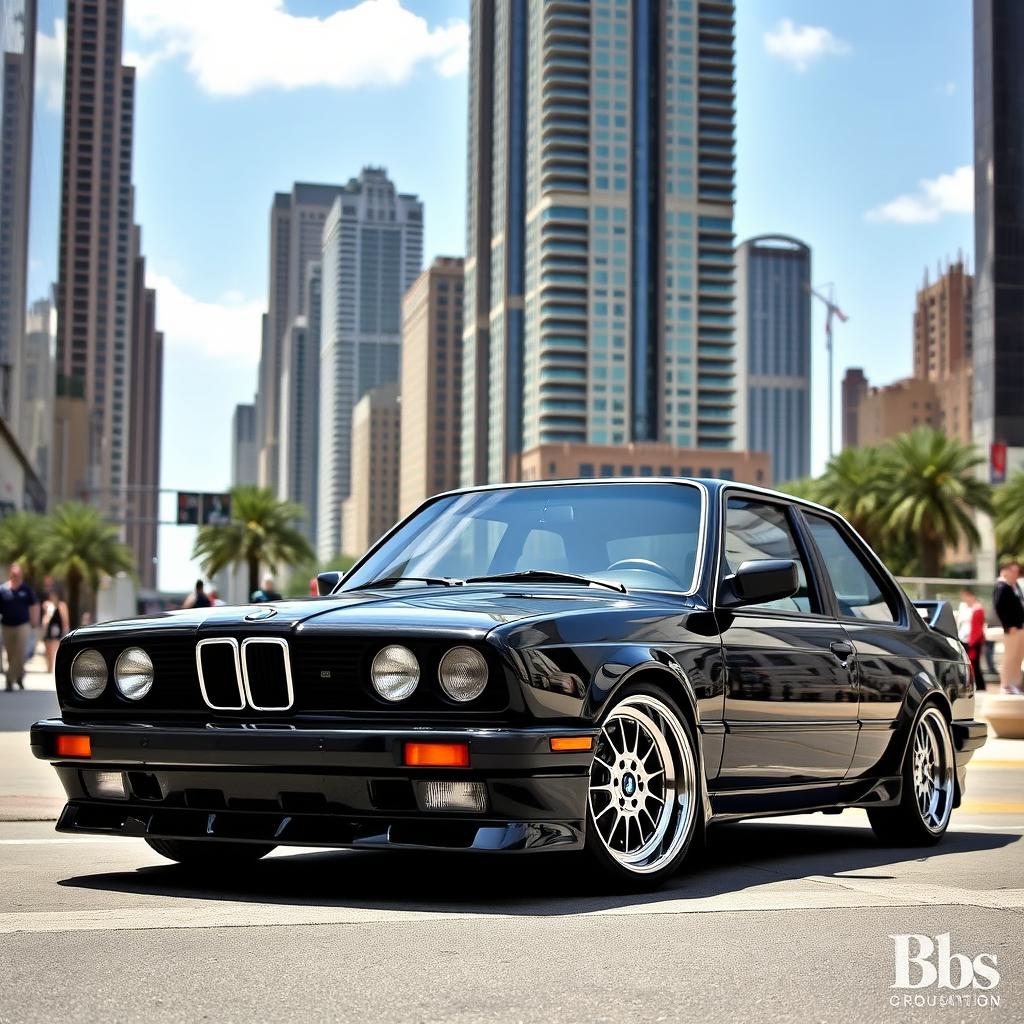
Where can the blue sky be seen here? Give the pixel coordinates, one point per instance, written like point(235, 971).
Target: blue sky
point(849, 137)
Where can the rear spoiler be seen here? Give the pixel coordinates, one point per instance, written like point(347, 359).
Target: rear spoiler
point(939, 616)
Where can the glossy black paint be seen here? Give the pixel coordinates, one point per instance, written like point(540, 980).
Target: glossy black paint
point(793, 711)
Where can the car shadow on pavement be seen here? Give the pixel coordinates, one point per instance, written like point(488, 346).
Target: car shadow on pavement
point(20, 708)
point(737, 858)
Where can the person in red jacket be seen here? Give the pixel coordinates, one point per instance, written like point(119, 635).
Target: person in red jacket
point(971, 623)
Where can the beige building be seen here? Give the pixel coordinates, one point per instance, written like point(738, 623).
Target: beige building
point(431, 383)
point(371, 507)
point(939, 392)
point(571, 461)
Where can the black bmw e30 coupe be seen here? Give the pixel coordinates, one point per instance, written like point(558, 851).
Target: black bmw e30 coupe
point(597, 665)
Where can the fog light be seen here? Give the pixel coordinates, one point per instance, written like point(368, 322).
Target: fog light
point(438, 795)
point(105, 785)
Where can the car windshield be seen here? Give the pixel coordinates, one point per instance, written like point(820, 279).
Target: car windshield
point(638, 535)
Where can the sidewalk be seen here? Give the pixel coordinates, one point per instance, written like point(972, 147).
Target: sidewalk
point(29, 790)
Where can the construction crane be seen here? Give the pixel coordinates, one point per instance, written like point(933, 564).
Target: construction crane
point(833, 310)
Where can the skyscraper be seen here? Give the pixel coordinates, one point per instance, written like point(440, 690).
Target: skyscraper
point(431, 382)
point(998, 223)
point(30, 141)
point(109, 352)
point(300, 407)
point(371, 508)
point(245, 447)
point(95, 288)
point(599, 282)
point(372, 252)
point(146, 406)
point(773, 345)
point(296, 228)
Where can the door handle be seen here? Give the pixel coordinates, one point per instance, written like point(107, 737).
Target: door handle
point(842, 649)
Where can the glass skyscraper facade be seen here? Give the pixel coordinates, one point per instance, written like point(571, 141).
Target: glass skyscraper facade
point(773, 332)
point(601, 178)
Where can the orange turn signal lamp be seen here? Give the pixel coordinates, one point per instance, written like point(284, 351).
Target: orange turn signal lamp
point(68, 745)
point(436, 755)
point(561, 744)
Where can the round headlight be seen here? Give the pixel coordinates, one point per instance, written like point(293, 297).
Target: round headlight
point(133, 673)
point(463, 674)
point(89, 673)
point(395, 672)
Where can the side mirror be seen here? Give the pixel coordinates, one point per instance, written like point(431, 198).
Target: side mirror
point(766, 579)
point(327, 582)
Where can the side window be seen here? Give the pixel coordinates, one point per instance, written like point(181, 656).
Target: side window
point(756, 530)
point(859, 592)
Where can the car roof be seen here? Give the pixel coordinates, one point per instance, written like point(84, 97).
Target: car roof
point(712, 484)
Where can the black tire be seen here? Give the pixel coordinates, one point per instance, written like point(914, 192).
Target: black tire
point(658, 813)
point(929, 786)
point(210, 853)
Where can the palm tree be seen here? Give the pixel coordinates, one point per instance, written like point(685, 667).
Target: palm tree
point(1009, 513)
point(21, 539)
point(931, 490)
point(262, 531)
point(80, 547)
point(850, 486)
point(803, 487)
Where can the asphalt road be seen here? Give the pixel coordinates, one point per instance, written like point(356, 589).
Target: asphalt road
point(784, 921)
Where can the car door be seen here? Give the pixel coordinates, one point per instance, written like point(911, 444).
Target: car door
point(791, 696)
point(874, 619)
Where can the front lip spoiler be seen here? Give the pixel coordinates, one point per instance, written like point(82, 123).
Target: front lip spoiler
point(321, 830)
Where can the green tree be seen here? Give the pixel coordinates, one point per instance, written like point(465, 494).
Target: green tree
point(850, 486)
point(79, 547)
point(1008, 501)
point(930, 490)
point(21, 540)
point(262, 531)
point(805, 487)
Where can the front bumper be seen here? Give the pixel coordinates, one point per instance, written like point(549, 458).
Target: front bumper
point(321, 787)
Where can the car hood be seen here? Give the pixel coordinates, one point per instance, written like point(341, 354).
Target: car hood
point(475, 609)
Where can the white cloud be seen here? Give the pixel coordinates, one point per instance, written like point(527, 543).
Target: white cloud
point(948, 193)
point(228, 329)
point(234, 47)
point(50, 66)
point(801, 45)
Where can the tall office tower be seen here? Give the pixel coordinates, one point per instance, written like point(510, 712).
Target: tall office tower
point(998, 223)
point(94, 293)
point(142, 494)
point(245, 448)
point(38, 383)
point(943, 346)
point(371, 508)
point(300, 407)
point(16, 161)
point(372, 253)
point(296, 228)
point(600, 210)
point(773, 348)
point(431, 383)
point(855, 387)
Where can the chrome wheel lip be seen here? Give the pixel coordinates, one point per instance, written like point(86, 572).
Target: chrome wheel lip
point(658, 816)
point(932, 769)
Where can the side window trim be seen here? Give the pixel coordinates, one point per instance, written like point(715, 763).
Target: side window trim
point(869, 561)
point(821, 596)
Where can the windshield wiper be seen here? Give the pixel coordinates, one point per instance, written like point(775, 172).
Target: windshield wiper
point(547, 574)
point(441, 581)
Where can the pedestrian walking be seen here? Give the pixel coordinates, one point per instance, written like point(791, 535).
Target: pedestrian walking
point(1009, 607)
point(266, 592)
point(971, 627)
point(19, 615)
point(198, 598)
point(56, 623)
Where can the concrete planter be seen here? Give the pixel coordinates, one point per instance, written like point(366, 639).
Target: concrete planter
point(1004, 713)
